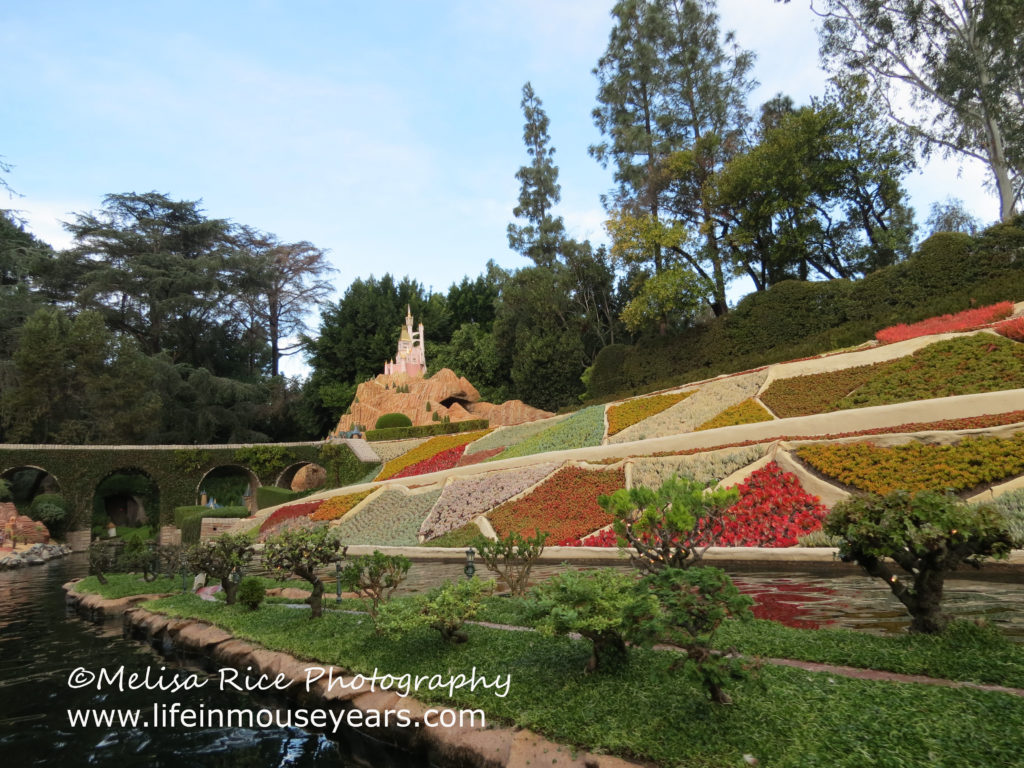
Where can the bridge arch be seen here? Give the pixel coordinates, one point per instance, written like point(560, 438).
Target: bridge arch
point(229, 484)
point(28, 481)
point(287, 475)
point(127, 496)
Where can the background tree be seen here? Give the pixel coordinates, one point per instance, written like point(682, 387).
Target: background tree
point(221, 558)
point(285, 282)
point(961, 62)
point(672, 104)
point(541, 237)
point(952, 216)
point(302, 551)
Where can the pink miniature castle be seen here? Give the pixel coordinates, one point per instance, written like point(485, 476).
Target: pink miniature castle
point(410, 359)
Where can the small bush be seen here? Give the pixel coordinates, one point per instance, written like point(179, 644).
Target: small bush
point(444, 608)
point(221, 558)
point(251, 593)
point(375, 577)
point(302, 551)
point(50, 509)
point(392, 420)
point(512, 557)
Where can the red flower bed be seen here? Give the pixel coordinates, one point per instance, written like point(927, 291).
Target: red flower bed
point(290, 512)
point(772, 511)
point(961, 321)
point(439, 461)
point(475, 458)
point(564, 506)
point(603, 538)
point(1011, 329)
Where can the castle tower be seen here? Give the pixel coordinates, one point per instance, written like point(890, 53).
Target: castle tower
point(410, 358)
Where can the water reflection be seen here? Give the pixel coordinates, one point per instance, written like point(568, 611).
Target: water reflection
point(40, 646)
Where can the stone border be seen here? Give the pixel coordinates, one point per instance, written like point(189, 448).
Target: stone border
point(491, 747)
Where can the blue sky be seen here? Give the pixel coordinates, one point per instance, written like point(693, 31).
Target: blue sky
point(389, 135)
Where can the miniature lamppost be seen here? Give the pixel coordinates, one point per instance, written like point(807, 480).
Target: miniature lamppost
point(470, 569)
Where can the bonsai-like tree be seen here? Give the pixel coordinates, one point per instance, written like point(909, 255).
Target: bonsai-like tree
point(670, 527)
point(220, 558)
point(594, 604)
point(375, 576)
point(301, 551)
point(512, 557)
point(927, 534)
point(687, 608)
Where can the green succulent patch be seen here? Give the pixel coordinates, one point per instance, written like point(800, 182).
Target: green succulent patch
point(390, 519)
point(963, 366)
point(581, 430)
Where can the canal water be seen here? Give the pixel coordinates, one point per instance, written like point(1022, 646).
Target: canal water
point(41, 646)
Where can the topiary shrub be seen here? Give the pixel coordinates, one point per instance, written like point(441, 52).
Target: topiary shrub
point(670, 527)
point(221, 558)
point(390, 420)
point(301, 551)
point(375, 577)
point(927, 535)
point(512, 557)
point(445, 608)
point(251, 593)
point(592, 603)
point(684, 608)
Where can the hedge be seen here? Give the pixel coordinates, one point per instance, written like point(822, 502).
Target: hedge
point(272, 495)
point(950, 272)
point(391, 420)
point(428, 430)
point(190, 519)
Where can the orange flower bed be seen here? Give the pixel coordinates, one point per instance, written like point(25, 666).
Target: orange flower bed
point(338, 506)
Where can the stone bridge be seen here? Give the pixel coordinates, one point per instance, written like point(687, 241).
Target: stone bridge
point(177, 472)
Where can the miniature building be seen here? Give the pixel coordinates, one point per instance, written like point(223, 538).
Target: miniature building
point(410, 359)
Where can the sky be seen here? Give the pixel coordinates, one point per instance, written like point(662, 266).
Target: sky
point(386, 133)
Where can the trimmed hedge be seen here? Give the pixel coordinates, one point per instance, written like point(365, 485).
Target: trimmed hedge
point(342, 465)
point(427, 430)
point(390, 420)
point(272, 495)
point(949, 273)
point(190, 519)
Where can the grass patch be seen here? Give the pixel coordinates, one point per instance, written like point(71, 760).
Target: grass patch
point(127, 584)
point(783, 717)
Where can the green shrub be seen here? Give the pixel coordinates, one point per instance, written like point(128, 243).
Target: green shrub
point(592, 603)
point(687, 608)
point(375, 577)
point(927, 535)
point(427, 430)
point(251, 593)
point(190, 519)
point(391, 420)
point(445, 608)
point(342, 465)
point(272, 496)
point(51, 510)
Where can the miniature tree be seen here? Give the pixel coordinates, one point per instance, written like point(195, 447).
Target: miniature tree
point(592, 603)
point(301, 551)
point(670, 527)
point(927, 534)
point(445, 608)
point(687, 608)
point(221, 558)
point(375, 576)
point(99, 560)
point(251, 593)
point(512, 558)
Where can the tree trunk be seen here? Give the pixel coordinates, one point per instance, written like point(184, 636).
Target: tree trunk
point(609, 650)
point(230, 590)
point(315, 599)
point(927, 611)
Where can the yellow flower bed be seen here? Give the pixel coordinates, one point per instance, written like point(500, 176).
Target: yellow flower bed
point(748, 412)
point(633, 412)
point(427, 450)
point(338, 506)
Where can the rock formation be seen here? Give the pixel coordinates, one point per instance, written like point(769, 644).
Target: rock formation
point(427, 401)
